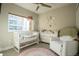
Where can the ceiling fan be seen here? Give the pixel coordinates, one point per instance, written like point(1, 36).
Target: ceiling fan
point(41, 4)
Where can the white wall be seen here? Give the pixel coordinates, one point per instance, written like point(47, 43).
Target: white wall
point(6, 38)
point(59, 18)
point(77, 18)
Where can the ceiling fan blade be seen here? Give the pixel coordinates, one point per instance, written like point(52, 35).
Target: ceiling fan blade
point(77, 5)
point(37, 8)
point(45, 5)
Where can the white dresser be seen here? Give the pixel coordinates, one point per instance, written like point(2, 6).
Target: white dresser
point(64, 46)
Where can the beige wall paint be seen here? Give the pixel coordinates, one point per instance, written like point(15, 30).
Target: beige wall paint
point(77, 18)
point(6, 38)
point(61, 17)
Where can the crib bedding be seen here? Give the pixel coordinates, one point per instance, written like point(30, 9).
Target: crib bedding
point(26, 39)
point(25, 43)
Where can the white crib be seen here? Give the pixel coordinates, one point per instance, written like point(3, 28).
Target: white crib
point(23, 39)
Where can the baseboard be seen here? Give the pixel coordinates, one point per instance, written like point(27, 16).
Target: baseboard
point(44, 42)
point(3, 49)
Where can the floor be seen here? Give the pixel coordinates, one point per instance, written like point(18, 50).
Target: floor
point(40, 45)
point(12, 52)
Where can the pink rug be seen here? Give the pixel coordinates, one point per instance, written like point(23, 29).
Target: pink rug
point(37, 52)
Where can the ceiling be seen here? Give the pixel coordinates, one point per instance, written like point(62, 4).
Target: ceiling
point(42, 9)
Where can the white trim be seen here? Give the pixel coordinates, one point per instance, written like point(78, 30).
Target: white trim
point(3, 49)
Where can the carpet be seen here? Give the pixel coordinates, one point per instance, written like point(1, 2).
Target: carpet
point(37, 52)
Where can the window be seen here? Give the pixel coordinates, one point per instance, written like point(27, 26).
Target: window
point(17, 23)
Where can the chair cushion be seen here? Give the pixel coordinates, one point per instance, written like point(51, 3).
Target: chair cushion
point(71, 31)
point(66, 38)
